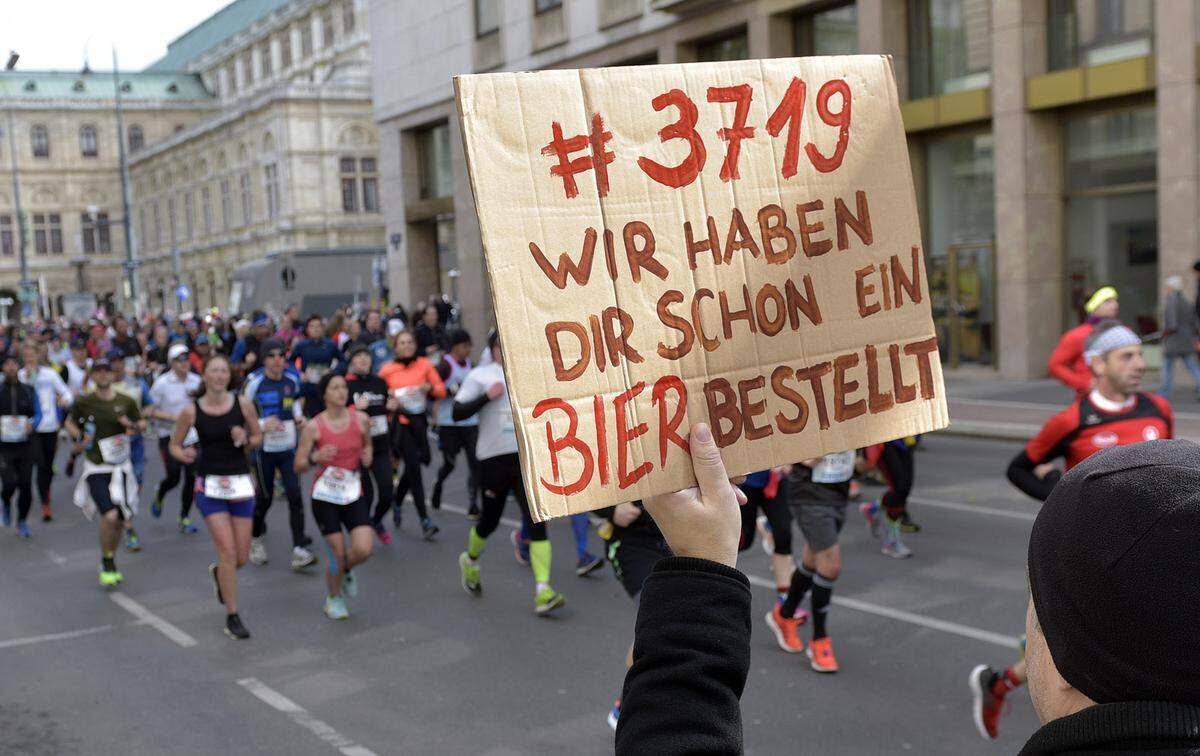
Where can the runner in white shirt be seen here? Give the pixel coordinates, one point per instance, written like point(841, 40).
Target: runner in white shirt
point(171, 392)
point(52, 394)
point(483, 391)
point(76, 377)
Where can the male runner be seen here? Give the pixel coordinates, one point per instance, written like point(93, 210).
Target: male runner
point(20, 414)
point(133, 386)
point(456, 435)
point(53, 395)
point(100, 423)
point(171, 392)
point(483, 391)
point(896, 461)
point(369, 394)
point(275, 392)
point(1114, 413)
point(313, 356)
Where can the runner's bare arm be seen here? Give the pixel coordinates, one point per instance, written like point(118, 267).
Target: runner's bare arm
point(253, 431)
point(308, 438)
point(187, 417)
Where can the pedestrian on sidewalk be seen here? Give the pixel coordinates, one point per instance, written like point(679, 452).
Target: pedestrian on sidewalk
point(1067, 363)
point(1181, 327)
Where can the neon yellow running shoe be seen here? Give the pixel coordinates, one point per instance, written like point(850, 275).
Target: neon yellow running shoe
point(548, 600)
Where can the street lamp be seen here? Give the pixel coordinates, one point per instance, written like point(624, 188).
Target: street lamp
point(26, 291)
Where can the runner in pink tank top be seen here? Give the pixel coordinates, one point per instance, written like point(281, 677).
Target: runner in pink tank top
point(337, 495)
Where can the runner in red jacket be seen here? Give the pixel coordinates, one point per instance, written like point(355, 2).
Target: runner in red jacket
point(1067, 363)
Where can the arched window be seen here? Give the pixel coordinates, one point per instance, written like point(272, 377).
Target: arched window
point(87, 141)
point(39, 137)
point(136, 139)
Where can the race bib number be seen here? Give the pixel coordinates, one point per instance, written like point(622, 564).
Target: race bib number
point(13, 429)
point(412, 399)
point(228, 487)
point(834, 468)
point(314, 373)
point(191, 437)
point(114, 450)
point(379, 425)
point(283, 439)
point(506, 420)
point(338, 485)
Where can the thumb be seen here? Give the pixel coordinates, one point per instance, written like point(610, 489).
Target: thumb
point(707, 463)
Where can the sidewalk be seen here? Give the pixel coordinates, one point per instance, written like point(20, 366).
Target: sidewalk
point(987, 406)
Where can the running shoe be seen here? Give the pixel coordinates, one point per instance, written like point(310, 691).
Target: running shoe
point(23, 530)
point(520, 547)
point(350, 584)
point(548, 600)
point(614, 715)
point(132, 542)
point(855, 490)
point(988, 689)
point(235, 629)
point(302, 557)
point(335, 608)
point(156, 507)
point(766, 537)
point(587, 564)
point(870, 512)
point(110, 578)
point(212, 570)
point(470, 574)
point(907, 524)
point(786, 630)
point(428, 529)
point(6, 514)
point(186, 527)
point(385, 536)
point(47, 515)
point(258, 552)
point(473, 512)
point(820, 655)
point(892, 545)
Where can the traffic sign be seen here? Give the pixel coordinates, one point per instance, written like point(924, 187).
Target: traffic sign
point(184, 292)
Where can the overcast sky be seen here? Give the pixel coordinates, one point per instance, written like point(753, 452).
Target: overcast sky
point(53, 34)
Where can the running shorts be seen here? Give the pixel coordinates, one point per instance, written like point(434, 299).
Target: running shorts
point(331, 518)
point(633, 555)
point(820, 521)
point(207, 506)
point(98, 484)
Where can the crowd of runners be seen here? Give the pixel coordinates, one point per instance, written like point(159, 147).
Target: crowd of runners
point(241, 410)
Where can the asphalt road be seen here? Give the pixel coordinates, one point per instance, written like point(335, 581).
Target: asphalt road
point(423, 668)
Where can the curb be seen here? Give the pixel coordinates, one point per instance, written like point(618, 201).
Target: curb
point(990, 429)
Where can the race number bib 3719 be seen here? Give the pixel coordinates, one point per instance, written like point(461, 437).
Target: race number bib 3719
point(338, 485)
point(228, 487)
point(13, 428)
point(114, 450)
point(834, 468)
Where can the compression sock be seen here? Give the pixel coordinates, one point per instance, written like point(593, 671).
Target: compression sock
point(822, 592)
point(579, 526)
point(892, 506)
point(539, 561)
point(475, 544)
point(801, 580)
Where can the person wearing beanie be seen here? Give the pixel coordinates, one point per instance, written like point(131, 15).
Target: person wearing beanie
point(1115, 413)
point(1181, 328)
point(1067, 363)
point(1114, 664)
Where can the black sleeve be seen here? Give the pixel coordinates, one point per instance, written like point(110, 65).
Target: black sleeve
point(691, 656)
point(443, 370)
point(463, 410)
point(1021, 475)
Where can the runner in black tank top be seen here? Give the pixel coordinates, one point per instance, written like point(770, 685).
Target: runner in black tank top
point(227, 427)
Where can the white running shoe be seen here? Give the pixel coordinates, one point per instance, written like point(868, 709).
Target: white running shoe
point(766, 536)
point(302, 557)
point(258, 552)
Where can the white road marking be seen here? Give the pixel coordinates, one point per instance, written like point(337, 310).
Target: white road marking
point(55, 636)
point(300, 716)
point(973, 508)
point(945, 626)
point(153, 620)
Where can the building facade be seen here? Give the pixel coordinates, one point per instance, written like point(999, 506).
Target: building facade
point(1054, 143)
point(252, 137)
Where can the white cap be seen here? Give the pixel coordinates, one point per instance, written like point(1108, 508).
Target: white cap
point(175, 351)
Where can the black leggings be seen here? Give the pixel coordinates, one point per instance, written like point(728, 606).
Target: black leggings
point(497, 477)
point(778, 514)
point(409, 445)
point(265, 466)
point(17, 473)
point(379, 478)
point(45, 447)
point(896, 464)
point(452, 439)
point(175, 471)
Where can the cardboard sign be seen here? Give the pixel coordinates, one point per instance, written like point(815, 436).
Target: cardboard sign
point(733, 242)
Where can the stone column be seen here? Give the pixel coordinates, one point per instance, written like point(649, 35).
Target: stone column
point(1028, 185)
point(1178, 155)
point(883, 28)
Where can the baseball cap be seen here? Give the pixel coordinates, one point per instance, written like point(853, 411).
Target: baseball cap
point(175, 351)
point(101, 363)
point(201, 338)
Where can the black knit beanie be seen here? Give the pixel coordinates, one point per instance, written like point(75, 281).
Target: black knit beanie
point(1114, 568)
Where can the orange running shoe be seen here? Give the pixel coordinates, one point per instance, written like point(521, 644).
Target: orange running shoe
point(786, 629)
point(820, 655)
